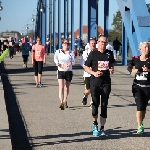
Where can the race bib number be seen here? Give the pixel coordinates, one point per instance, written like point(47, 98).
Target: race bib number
point(37, 53)
point(103, 65)
point(142, 76)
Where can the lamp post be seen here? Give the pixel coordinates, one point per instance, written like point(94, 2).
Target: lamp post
point(27, 28)
point(43, 13)
point(33, 20)
point(1, 8)
point(50, 25)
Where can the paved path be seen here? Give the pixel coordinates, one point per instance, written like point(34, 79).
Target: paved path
point(5, 141)
point(37, 123)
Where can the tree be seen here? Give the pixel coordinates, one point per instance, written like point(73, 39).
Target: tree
point(117, 27)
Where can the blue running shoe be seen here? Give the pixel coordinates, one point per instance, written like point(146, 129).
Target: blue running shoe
point(142, 127)
point(40, 85)
point(102, 133)
point(95, 130)
point(140, 130)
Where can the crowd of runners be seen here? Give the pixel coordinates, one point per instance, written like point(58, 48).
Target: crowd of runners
point(97, 61)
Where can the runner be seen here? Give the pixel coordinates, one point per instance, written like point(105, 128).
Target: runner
point(116, 45)
point(86, 76)
point(25, 48)
point(38, 58)
point(64, 59)
point(141, 83)
point(100, 64)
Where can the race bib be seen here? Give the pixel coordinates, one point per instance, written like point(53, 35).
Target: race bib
point(38, 53)
point(103, 65)
point(142, 76)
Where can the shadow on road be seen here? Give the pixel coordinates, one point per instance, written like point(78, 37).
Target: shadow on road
point(17, 126)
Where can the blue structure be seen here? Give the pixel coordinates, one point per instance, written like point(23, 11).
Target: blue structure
point(135, 23)
point(92, 20)
point(72, 24)
point(59, 24)
point(81, 19)
point(106, 17)
point(40, 28)
point(54, 24)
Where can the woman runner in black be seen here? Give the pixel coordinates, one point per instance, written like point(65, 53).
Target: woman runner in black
point(141, 83)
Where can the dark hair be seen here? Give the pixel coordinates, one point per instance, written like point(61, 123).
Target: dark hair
point(65, 40)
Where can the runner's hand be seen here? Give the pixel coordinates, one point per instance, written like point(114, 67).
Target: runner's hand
point(68, 65)
point(111, 70)
point(98, 74)
point(145, 68)
point(58, 64)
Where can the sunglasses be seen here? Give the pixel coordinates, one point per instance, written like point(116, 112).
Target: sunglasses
point(103, 42)
point(66, 43)
point(92, 38)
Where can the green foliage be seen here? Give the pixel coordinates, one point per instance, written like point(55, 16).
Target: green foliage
point(117, 27)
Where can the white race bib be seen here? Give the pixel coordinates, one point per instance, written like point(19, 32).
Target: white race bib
point(142, 76)
point(38, 53)
point(103, 65)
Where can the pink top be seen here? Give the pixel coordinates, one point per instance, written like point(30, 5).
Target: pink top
point(38, 53)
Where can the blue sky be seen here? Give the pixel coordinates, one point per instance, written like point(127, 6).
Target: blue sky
point(17, 14)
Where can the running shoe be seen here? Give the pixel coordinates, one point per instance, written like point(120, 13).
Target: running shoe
point(40, 85)
point(62, 106)
point(84, 101)
point(140, 129)
point(66, 105)
point(24, 66)
point(95, 130)
point(102, 133)
point(36, 85)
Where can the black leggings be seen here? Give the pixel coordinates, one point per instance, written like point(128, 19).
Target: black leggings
point(38, 66)
point(96, 92)
point(142, 96)
point(25, 58)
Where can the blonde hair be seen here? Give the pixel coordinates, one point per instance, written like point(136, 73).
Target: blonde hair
point(141, 43)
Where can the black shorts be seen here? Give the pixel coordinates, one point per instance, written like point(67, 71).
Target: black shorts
point(141, 95)
point(86, 82)
point(67, 75)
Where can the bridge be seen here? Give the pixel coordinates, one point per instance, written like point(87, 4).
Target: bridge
point(135, 23)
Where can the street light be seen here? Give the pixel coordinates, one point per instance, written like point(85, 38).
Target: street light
point(41, 8)
point(27, 28)
point(1, 8)
point(33, 20)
